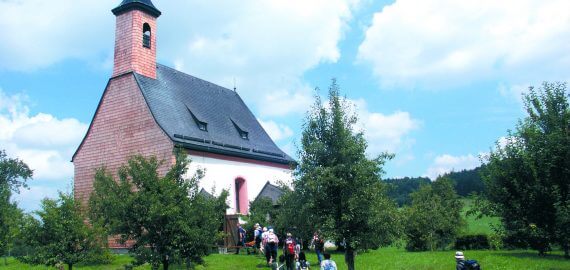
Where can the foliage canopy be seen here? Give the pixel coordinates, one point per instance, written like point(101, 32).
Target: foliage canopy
point(528, 173)
point(61, 234)
point(340, 188)
point(434, 220)
point(166, 217)
point(13, 175)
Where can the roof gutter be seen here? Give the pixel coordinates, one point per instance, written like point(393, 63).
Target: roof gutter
point(231, 153)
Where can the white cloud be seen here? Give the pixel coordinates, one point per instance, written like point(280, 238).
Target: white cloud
point(276, 131)
point(30, 199)
point(386, 132)
point(514, 92)
point(442, 43)
point(266, 46)
point(37, 33)
point(447, 163)
point(44, 142)
point(283, 102)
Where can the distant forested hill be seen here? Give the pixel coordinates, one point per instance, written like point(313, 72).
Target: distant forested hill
point(466, 182)
point(401, 188)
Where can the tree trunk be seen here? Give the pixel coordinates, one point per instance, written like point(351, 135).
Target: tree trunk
point(349, 258)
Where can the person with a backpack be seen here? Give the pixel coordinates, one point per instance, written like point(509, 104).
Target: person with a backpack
point(272, 246)
point(241, 238)
point(319, 245)
point(257, 237)
point(462, 264)
point(289, 250)
point(327, 263)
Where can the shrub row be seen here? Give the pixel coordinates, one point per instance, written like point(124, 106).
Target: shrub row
point(477, 241)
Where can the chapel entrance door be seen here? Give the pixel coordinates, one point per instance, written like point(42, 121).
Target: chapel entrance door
point(230, 229)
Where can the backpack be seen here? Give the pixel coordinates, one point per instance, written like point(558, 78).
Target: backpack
point(290, 246)
point(303, 265)
point(472, 265)
point(271, 238)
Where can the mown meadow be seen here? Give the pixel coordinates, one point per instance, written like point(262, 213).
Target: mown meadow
point(391, 258)
point(385, 259)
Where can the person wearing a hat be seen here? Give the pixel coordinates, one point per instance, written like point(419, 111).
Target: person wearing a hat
point(289, 250)
point(460, 260)
point(257, 231)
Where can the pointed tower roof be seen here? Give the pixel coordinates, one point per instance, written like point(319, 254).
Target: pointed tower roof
point(144, 5)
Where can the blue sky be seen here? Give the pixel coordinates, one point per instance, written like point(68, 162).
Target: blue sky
point(436, 82)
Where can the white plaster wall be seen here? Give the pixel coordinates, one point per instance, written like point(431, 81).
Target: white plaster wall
point(221, 174)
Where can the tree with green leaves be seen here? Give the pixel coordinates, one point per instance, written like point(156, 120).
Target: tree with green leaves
point(61, 234)
point(167, 218)
point(261, 211)
point(14, 174)
point(294, 216)
point(434, 220)
point(527, 176)
point(341, 187)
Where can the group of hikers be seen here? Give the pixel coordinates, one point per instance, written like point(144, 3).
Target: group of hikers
point(266, 242)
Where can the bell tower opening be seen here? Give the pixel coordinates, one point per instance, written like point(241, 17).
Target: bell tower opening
point(146, 35)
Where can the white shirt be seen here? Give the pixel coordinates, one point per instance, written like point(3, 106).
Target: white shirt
point(329, 264)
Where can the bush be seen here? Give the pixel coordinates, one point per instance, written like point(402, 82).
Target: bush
point(434, 219)
point(471, 242)
point(496, 241)
point(99, 257)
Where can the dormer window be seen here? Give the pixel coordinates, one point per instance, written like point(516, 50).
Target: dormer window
point(146, 35)
point(242, 133)
point(203, 126)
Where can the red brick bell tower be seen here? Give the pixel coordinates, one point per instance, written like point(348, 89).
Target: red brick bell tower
point(135, 38)
point(123, 124)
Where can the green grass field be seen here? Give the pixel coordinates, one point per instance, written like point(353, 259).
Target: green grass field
point(385, 259)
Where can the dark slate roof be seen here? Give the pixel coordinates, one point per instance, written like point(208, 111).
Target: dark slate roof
point(206, 194)
point(179, 102)
point(270, 191)
point(145, 5)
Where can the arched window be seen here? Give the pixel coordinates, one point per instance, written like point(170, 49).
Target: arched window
point(146, 35)
point(242, 202)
